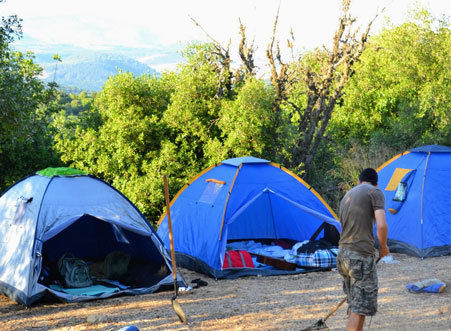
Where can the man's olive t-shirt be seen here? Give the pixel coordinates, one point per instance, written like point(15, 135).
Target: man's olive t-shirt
point(357, 218)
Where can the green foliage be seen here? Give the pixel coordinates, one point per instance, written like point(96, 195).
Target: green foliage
point(246, 122)
point(26, 105)
point(139, 128)
point(75, 103)
point(120, 136)
point(401, 86)
point(192, 116)
point(397, 99)
point(194, 108)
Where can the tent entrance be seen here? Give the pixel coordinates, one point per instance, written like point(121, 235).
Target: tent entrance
point(101, 245)
point(270, 228)
point(270, 215)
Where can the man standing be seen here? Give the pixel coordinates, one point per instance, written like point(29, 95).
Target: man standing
point(360, 209)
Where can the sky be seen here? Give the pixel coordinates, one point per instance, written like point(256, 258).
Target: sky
point(156, 24)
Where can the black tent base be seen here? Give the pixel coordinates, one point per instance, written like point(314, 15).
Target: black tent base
point(191, 263)
point(397, 246)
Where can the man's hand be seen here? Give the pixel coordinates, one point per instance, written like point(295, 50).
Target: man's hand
point(383, 251)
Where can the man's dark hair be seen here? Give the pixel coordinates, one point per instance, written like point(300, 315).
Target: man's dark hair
point(369, 175)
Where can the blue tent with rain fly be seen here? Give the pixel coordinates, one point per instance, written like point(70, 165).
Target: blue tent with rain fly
point(60, 211)
point(417, 188)
point(243, 198)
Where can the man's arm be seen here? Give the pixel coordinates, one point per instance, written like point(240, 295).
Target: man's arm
point(382, 232)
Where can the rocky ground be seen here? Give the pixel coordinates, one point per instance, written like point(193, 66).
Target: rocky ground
point(253, 303)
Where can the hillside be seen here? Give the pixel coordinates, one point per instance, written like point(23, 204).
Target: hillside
point(89, 71)
point(84, 68)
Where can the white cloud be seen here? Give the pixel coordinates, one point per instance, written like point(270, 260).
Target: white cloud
point(170, 66)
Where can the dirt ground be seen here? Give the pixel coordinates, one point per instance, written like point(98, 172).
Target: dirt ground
point(253, 303)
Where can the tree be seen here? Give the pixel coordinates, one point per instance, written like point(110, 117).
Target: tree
point(247, 121)
point(74, 104)
point(193, 113)
point(310, 89)
point(246, 53)
point(139, 128)
point(26, 105)
point(121, 137)
point(399, 96)
point(57, 59)
point(397, 99)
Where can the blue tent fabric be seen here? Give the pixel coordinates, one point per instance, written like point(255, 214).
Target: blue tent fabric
point(241, 198)
point(246, 159)
point(431, 148)
point(419, 224)
point(43, 217)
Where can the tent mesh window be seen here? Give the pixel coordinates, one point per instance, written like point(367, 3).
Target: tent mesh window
point(401, 192)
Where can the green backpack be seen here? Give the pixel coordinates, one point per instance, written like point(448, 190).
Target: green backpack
point(74, 271)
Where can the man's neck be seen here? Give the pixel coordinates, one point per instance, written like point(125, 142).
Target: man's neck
point(369, 183)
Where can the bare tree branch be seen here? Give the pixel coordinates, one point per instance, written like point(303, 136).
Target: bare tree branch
point(218, 44)
point(279, 70)
point(325, 86)
point(225, 74)
point(246, 52)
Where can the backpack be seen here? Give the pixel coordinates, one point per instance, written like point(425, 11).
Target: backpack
point(115, 265)
point(312, 246)
point(74, 271)
point(315, 254)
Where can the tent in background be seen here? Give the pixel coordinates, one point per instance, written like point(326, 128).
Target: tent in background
point(417, 188)
point(243, 199)
point(62, 210)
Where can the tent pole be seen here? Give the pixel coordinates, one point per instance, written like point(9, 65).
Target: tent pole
point(227, 201)
point(422, 202)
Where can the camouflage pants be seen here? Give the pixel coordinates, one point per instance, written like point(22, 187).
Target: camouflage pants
point(359, 281)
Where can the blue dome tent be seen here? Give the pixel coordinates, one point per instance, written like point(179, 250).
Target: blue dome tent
point(242, 199)
point(60, 211)
point(417, 188)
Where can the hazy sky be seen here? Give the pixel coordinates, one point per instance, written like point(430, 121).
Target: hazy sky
point(147, 23)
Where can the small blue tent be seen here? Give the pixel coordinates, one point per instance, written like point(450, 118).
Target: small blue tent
point(242, 199)
point(417, 188)
point(64, 211)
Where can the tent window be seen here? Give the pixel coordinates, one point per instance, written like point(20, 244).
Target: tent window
point(396, 178)
point(211, 191)
point(401, 192)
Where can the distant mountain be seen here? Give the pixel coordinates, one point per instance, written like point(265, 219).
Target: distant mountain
point(90, 71)
point(87, 69)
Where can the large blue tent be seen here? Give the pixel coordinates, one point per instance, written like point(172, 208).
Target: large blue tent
point(417, 188)
point(237, 199)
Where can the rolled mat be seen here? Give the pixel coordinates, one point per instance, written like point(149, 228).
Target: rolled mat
point(432, 285)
